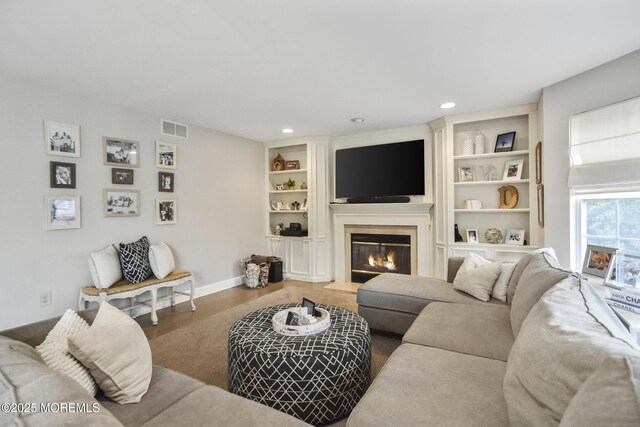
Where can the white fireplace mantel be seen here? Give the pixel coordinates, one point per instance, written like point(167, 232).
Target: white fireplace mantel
point(382, 215)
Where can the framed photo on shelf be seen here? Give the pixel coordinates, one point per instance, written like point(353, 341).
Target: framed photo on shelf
point(292, 164)
point(514, 237)
point(610, 277)
point(597, 260)
point(539, 162)
point(505, 142)
point(513, 170)
point(166, 182)
point(62, 212)
point(540, 194)
point(120, 152)
point(166, 211)
point(472, 235)
point(62, 175)
point(61, 139)
point(121, 202)
point(628, 269)
point(166, 155)
point(465, 174)
point(122, 176)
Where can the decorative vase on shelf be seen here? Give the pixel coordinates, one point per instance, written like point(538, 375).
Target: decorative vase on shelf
point(479, 142)
point(467, 146)
point(456, 234)
point(303, 186)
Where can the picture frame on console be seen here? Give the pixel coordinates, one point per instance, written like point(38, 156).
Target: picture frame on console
point(597, 260)
point(514, 237)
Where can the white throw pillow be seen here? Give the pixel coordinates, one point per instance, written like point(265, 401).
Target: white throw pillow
point(161, 260)
point(477, 276)
point(500, 287)
point(55, 351)
point(104, 266)
point(117, 353)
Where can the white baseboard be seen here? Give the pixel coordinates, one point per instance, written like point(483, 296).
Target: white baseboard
point(200, 292)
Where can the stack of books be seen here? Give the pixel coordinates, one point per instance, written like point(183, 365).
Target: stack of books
point(625, 303)
point(472, 204)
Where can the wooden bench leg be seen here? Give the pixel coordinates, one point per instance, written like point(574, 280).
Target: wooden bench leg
point(173, 296)
point(154, 299)
point(193, 289)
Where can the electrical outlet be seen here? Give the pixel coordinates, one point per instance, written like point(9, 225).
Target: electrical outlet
point(45, 298)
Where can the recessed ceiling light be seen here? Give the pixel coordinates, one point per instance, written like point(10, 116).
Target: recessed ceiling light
point(448, 105)
point(287, 130)
point(357, 120)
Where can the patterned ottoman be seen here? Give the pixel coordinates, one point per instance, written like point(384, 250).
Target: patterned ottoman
point(317, 378)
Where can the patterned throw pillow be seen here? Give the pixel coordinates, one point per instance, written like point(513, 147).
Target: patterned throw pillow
point(134, 258)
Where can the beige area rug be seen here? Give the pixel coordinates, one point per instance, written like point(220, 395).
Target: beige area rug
point(200, 350)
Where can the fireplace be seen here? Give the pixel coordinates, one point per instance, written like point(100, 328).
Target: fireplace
point(374, 254)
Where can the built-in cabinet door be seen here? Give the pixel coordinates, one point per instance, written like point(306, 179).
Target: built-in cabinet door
point(299, 256)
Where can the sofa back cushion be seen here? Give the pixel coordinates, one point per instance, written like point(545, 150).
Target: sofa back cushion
point(563, 340)
point(611, 396)
point(540, 274)
point(25, 380)
point(519, 269)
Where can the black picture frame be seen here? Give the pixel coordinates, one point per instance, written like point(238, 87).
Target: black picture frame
point(505, 142)
point(166, 182)
point(311, 307)
point(62, 175)
point(292, 319)
point(122, 176)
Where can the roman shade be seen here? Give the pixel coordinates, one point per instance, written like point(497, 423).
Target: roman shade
point(605, 146)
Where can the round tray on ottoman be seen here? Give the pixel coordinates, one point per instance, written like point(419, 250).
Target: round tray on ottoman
point(317, 378)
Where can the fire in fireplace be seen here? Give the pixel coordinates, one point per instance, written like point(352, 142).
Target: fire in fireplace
point(374, 254)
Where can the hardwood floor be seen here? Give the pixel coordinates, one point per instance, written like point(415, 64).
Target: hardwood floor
point(172, 318)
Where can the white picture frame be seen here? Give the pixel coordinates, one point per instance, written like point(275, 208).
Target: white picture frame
point(166, 211)
point(513, 170)
point(166, 155)
point(120, 152)
point(61, 139)
point(62, 212)
point(465, 174)
point(597, 260)
point(514, 237)
point(120, 202)
point(472, 236)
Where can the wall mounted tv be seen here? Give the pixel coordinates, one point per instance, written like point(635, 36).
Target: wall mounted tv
point(380, 171)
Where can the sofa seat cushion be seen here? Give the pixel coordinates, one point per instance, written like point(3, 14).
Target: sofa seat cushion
point(410, 294)
point(563, 340)
point(26, 380)
point(167, 387)
point(213, 406)
point(428, 386)
point(479, 330)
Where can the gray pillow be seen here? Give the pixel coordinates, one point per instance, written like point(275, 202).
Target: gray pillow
point(541, 273)
point(25, 379)
point(517, 272)
point(563, 340)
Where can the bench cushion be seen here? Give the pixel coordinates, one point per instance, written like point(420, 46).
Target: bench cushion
point(124, 286)
point(410, 294)
point(428, 386)
point(480, 330)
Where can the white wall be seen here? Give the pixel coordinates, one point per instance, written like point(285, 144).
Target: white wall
point(608, 83)
point(218, 186)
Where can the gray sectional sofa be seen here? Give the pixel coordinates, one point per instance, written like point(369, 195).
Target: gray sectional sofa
point(554, 354)
point(173, 399)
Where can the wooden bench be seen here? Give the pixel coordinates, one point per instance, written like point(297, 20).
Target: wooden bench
point(124, 289)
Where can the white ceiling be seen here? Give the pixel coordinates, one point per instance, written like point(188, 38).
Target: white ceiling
point(252, 67)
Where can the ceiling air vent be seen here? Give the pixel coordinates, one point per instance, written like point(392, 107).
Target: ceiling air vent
point(174, 129)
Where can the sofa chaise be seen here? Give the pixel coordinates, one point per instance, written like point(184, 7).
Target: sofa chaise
point(553, 354)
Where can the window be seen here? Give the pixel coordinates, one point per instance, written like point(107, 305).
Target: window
point(611, 220)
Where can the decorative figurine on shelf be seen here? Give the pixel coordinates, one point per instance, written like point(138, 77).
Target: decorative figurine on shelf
point(493, 235)
point(279, 228)
point(291, 184)
point(303, 186)
point(489, 173)
point(456, 233)
point(295, 206)
point(277, 164)
point(512, 193)
point(279, 187)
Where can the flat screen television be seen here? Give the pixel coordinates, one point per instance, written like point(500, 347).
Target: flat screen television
point(379, 171)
